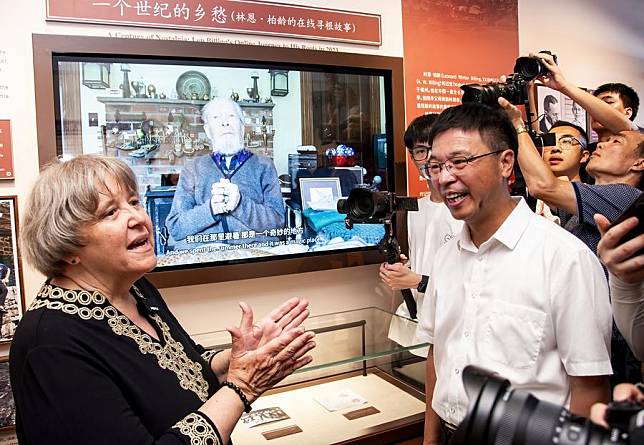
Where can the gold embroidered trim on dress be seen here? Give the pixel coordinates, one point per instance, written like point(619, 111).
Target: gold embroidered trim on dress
point(198, 430)
point(170, 356)
point(208, 355)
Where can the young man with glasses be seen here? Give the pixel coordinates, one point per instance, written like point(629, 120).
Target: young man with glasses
point(511, 291)
point(617, 165)
point(570, 153)
point(567, 159)
point(428, 228)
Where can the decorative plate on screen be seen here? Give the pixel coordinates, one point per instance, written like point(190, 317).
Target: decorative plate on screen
point(193, 83)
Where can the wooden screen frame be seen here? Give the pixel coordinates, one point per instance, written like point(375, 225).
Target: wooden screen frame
point(46, 46)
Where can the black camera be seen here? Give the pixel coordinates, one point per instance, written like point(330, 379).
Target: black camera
point(366, 207)
point(529, 68)
point(497, 414)
point(514, 89)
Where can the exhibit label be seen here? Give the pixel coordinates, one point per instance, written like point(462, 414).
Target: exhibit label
point(240, 16)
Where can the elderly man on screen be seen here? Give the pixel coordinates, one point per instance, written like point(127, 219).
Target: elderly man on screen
point(227, 192)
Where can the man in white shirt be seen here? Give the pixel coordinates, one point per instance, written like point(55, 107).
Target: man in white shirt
point(513, 292)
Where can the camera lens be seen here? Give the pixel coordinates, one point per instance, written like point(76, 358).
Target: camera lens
point(483, 94)
point(365, 206)
point(499, 415)
point(529, 68)
point(360, 204)
point(342, 206)
point(489, 94)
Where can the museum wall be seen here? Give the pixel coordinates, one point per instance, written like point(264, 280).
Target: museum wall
point(596, 41)
point(582, 33)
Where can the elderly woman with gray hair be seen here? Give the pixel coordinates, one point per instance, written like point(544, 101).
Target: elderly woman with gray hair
point(98, 358)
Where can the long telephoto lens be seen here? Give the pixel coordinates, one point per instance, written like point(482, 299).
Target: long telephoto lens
point(499, 415)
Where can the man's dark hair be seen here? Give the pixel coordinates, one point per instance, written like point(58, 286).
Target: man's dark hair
point(492, 123)
point(418, 130)
point(627, 95)
point(576, 127)
point(549, 99)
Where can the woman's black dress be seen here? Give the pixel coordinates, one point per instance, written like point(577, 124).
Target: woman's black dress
point(83, 373)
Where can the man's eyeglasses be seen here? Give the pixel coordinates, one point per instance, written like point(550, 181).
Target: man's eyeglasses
point(455, 164)
point(420, 152)
point(566, 143)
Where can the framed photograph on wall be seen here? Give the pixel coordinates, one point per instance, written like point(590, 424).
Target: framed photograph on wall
point(12, 301)
point(553, 106)
point(320, 193)
point(7, 405)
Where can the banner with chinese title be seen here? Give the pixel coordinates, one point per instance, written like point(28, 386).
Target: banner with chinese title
point(243, 16)
point(448, 43)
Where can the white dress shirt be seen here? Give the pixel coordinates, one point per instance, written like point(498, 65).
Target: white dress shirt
point(531, 303)
point(427, 230)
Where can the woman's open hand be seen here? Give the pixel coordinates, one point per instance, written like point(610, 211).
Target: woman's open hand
point(288, 315)
point(257, 370)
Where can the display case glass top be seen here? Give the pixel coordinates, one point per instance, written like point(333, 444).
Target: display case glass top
point(348, 340)
point(364, 386)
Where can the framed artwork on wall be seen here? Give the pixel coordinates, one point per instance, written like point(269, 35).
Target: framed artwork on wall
point(7, 405)
point(553, 106)
point(12, 302)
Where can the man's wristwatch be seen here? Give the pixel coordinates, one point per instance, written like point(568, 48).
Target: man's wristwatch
point(521, 129)
point(422, 286)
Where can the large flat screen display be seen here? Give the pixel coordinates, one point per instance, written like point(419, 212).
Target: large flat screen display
point(307, 137)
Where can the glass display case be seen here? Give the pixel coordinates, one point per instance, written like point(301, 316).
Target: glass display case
point(364, 386)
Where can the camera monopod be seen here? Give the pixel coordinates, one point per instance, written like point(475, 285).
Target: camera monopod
point(389, 247)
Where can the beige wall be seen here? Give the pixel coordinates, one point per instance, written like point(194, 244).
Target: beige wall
point(596, 41)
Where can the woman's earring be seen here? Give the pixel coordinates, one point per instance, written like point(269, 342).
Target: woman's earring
point(74, 261)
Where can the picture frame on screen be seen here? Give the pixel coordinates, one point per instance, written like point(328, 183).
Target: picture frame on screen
point(320, 193)
point(228, 206)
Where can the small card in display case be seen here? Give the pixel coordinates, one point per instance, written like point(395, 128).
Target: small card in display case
point(262, 416)
point(340, 400)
